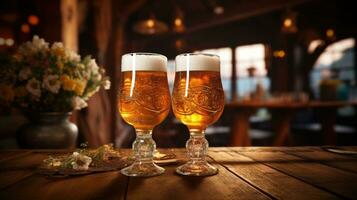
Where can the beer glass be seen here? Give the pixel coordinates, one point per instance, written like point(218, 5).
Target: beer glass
point(197, 101)
point(144, 102)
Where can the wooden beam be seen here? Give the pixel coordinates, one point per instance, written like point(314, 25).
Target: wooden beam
point(243, 11)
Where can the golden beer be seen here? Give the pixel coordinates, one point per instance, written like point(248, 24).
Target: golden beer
point(199, 102)
point(144, 102)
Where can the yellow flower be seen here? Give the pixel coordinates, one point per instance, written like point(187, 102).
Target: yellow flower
point(80, 86)
point(6, 93)
point(68, 83)
point(20, 91)
point(64, 78)
point(75, 85)
point(59, 64)
point(59, 52)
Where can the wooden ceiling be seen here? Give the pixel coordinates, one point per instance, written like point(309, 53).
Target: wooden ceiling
point(243, 22)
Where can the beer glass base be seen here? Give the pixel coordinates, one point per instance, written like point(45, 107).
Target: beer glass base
point(140, 169)
point(192, 168)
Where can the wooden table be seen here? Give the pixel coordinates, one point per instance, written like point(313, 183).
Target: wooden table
point(244, 173)
point(282, 115)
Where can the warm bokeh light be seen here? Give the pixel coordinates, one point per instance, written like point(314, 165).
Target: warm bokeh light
point(330, 33)
point(150, 23)
point(2, 41)
point(178, 22)
point(218, 10)
point(279, 54)
point(288, 22)
point(25, 28)
point(9, 42)
point(179, 44)
point(33, 20)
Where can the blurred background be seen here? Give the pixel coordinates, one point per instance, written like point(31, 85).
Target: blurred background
point(288, 68)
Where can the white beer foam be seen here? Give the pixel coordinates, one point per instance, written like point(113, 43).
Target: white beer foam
point(197, 62)
point(143, 62)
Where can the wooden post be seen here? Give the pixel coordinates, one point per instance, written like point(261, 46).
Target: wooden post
point(69, 18)
point(355, 61)
point(234, 90)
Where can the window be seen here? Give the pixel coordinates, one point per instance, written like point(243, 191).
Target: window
point(337, 58)
point(246, 57)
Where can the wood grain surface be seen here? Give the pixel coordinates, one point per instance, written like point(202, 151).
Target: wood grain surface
point(244, 173)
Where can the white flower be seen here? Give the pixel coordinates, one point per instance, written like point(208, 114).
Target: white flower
point(97, 77)
point(93, 67)
point(81, 162)
point(24, 74)
point(80, 66)
point(78, 103)
point(86, 75)
point(36, 45)
point(72, 56)
point(39, 43)
point(57, 45)
point(106, 84)
point(52, 83)
point(55, 163)
point(33, 86)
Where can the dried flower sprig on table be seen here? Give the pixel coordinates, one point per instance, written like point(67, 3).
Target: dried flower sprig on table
point(83, 158)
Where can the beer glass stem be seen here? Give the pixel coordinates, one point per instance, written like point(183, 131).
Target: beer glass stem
point(197, 146)
point(144, 146)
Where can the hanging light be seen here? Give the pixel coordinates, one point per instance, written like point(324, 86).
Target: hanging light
point(216, 7)
point(25, 28)
point(218, 10)
point(33, 20)
point(2, 41)
point(150, 26)
point(279, 54)
point(9, 42)
point(289, 24)
point(330, 34)
point(180, 44)
point(179, 25)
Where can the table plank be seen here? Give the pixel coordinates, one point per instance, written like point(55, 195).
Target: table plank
point(8, 178)
point(343, 162)
point(225, 185)
point(7, 155)
point(26, 161)
point(245, 173)
point(265, 149)
point(18, 166)
point(267, 179)
point(339, 182)
point(109, 185)
point(18, 181)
